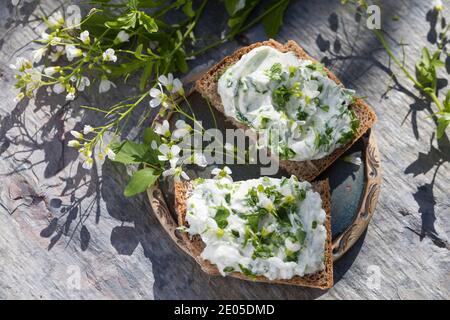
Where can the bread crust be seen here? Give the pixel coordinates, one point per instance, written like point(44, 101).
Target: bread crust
point(207, 85)
point(322, 279)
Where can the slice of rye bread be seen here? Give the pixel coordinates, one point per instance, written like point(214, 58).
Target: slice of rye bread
point(322, 279)
point(207, 85)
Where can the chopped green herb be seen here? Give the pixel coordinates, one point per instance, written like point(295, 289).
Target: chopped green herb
point(275, 72)
point(246, 271)
point(281, 96)
point(291, 256)
point(221, 217)
point(228, 198)
point(228, 269)
point(302, 116)
point(301, 236)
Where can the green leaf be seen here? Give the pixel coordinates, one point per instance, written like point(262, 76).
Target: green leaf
point(140, 181)
point(187, 9)
point(180, 61)
point(146, 73)
point(240, 15)
point(148, 22)
point(221, 216)
point(138, 51)
point(246, 271)
point(443, 123)
point(447, 102)
point(126, 21)
point(273, 21)
point(228, 269)
point(232, 6)
point(129, 152)
point(126, 68)
point(150, 135)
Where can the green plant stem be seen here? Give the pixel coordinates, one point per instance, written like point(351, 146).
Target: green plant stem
point(391, 54)
point(188, 31)
point(233, 34)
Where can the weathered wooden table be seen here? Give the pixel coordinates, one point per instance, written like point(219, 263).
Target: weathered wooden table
point(67, 234)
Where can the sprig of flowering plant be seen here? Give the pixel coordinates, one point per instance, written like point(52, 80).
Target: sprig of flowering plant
point(109, 44)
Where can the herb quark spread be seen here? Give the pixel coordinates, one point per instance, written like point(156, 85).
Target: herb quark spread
point(300, 112)
point(266, 226)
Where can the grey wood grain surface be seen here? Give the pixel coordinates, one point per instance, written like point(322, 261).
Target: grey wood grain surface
point(60, 226)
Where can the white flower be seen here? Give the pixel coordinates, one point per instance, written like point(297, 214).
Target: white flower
point(56, 20)
point(15, 2)
point(70, 94)
point(54, 56)
point(176, 172)
point(53, 40)
point(110, 153)
point(74, 144)
point(197, 158)
point(292, 246)
point(37, 54)
point(49, 71)
point(105, 85)
point(74, 16)
point(45, 36)
point(182, 129)
point(87, 129)
point(122, 36)
point(109, 55)
point(59, 88)
point(84, 37)
point(172, 85)
point(73, 52)
point(353, 158)
point(438, 5)
point(21, 64)
point(19, 97)
point(158, 98)
point(225, 172)
point(169, 154)
point(76, 134)
point(34, 81)
point(82, 83)
point(85, 153)
point(87, 164)
point(163, 129)
point(311, 89)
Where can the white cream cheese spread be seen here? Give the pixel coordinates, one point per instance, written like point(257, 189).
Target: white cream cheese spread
point(303, 114)
point(266, 226)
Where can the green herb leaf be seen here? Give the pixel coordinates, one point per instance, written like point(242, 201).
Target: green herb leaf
point(228, 198)
point(125, 22)
point(246, 271)
point(301, 236)
point(273, 21)
point(228, 269)
point(140, 181)
point(221, 217)
point(148, 22)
